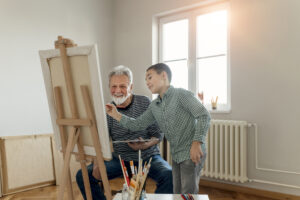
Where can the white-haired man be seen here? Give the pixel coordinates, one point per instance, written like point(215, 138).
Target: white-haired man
point(120, 84)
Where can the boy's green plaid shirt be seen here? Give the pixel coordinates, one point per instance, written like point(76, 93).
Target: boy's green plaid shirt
point(180, 116)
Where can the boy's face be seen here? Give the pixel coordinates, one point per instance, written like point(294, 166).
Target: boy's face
point(154, 81)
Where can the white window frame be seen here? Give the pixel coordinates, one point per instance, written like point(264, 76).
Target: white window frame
point(191, 15)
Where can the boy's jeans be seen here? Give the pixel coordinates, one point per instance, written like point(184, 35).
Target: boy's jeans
point(186, 176)
point(160, 172)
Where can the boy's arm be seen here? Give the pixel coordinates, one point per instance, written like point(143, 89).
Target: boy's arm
point(154, 133)
point(153, 130)
point(192, 104)
point(201, 115)
point(141, 123)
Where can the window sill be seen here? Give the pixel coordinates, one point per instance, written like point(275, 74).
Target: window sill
point(219, 111)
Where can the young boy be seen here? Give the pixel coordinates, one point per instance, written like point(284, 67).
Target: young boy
point(183, 120)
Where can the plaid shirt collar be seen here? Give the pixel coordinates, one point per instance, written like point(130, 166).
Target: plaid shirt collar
point(169, 91)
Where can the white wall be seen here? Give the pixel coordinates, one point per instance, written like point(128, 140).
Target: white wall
point(265, 49)
point(27, 26)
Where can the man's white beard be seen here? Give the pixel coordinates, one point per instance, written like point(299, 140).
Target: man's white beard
point(120, 100)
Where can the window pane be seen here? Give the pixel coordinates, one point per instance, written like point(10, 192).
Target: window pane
point(179, 73)
point(212, 34)
point(212, 74)
point(175, 40)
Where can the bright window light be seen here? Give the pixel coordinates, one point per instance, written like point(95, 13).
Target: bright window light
point(175, 51)
point(195, 46)
point(175, 40)
point(179, 74)
point(212, 79)
point(212, 56)
point(212, 34)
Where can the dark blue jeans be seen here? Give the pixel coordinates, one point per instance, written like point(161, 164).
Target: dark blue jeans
point(160, 172)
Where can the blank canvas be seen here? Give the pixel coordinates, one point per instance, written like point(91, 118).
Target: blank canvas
point(85, 70)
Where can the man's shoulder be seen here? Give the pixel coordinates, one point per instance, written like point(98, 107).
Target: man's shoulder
point(142, 99)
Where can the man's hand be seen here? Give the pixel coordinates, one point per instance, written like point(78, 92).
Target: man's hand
point(196, 152)
point(141, 145)
point(96, 173)
point(112, 111)
point(137, 145)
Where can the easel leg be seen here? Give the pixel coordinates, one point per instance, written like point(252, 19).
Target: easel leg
point(58, 100)
point(97, 145)
point(73, 137)
point(69, 180)
point(69, 186)
point(85, 174)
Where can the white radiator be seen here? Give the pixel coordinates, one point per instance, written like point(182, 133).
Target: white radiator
point(226, 151)
point(226, 157)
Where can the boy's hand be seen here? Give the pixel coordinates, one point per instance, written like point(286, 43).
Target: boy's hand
point(196, 152)
point(111, 110)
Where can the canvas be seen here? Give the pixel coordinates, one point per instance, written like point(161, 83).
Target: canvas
point(26, 162)
point(85, 70)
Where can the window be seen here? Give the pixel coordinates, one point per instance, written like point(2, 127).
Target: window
point(175, 51)
point(195, 46)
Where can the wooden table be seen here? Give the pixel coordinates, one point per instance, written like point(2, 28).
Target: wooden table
point(165, 197)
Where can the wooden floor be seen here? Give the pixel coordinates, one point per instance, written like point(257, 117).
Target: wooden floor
point(50, 192)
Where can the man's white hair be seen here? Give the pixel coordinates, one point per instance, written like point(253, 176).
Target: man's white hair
point(121, 70)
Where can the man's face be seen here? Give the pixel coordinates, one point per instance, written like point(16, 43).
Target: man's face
point(120, 88)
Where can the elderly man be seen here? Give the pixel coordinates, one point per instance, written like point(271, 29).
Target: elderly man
point(120, 84)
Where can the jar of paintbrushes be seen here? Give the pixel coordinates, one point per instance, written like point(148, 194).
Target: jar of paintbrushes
point(134, 187)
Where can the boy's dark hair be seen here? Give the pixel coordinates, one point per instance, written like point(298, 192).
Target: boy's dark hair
point(160, 67)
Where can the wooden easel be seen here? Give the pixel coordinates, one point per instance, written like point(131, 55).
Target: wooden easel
point(76, 123)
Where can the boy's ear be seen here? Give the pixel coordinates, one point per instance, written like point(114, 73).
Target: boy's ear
point(165, 76)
